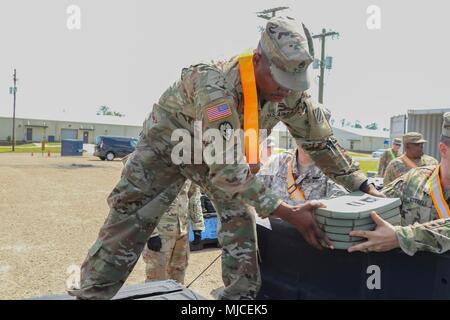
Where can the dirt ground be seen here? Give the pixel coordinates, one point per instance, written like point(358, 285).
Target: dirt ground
point(51, 210)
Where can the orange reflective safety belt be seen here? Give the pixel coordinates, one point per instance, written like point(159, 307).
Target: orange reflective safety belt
point(251, 126)
point(408, 162)
point(437, 195)
point(393, 156)
point(292, 188)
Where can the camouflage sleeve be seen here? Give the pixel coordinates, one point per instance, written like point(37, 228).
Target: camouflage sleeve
point(395, 188)
point(216, 107)
point(335, 190)
point(309, 126)
point(432, 162)
point(195, 208)
point(432, 236)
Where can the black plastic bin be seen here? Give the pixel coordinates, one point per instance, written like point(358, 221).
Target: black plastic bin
point(291, 269)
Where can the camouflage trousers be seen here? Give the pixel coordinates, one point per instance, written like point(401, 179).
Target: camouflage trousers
point(171, 261)
point(149, 184)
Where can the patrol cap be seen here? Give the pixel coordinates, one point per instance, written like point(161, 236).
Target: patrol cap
point(413, 137)
point(285, 44)
point(398, 141)
point(446, 125)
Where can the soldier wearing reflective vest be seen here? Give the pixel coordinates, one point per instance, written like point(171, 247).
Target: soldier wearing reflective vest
point(252, 92)
point(389, 155)
point(412, 158)
point(296, 179)
point(425, 195)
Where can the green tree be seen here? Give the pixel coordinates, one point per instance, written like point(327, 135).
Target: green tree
point(358, 124)
point(372, 126)
point(106, 111)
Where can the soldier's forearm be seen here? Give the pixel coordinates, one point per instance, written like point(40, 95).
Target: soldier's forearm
point(237, 181)
point(433, 236)
point(333, 161)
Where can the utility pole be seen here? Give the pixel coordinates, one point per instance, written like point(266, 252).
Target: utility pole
point(322, 38)
point(13, 90)
point(270, 13)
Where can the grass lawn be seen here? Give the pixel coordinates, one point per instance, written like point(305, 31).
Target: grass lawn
point(30, 147)
point(359, 154)
point(369, 165)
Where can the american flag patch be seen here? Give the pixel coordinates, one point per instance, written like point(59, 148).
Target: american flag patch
point(218, 112)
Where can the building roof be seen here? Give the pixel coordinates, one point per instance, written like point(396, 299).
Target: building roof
point(95, 119)
point(428, 111)
point(365, 132)
point(361, 132)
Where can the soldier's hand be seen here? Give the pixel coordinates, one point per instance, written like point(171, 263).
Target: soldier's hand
point(254, 168)
point(302, 218)
point(154, 243)
point(374, 192)
point(383, 238)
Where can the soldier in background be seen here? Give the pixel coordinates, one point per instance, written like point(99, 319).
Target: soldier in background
point(167, 251)
point(412, 158)
point(425, 196)
point(389, 155)
point(294, 177)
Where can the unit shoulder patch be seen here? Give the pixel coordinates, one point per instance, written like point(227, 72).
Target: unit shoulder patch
point(226, 130)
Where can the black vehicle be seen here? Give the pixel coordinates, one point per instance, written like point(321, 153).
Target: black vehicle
point(111, 147)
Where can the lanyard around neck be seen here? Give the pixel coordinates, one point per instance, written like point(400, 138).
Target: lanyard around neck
point(437, 195)
point(294, 191)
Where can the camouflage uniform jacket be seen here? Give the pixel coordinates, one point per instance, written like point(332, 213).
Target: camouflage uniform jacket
point(176, 221)
point(418, 232)
point(385, 159)
point(203, 87)
point(311, 180)
point(397, 167)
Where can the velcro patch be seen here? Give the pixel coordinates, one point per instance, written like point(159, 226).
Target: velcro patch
point(218, 112)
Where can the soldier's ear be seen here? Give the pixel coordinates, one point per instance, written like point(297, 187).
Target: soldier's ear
point(444, 150)
point(257, 58)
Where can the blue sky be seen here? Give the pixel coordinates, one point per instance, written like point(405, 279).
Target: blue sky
point(127, 52)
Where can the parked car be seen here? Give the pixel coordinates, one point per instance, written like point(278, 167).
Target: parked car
point(378, 153)
point(111, 147)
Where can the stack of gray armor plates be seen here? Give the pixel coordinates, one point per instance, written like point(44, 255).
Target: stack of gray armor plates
point(352, 212)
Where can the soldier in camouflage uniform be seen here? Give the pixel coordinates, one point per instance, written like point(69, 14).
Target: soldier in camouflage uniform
point(425, 195)
point(312, 182)
point(213, 96)
point(167, 251)
point(412, 158)
point(389, 155)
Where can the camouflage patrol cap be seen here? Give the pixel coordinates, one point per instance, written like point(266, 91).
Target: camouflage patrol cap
point(413, 137)
point(397, 141)
point(446, 125)
point(285, 44)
